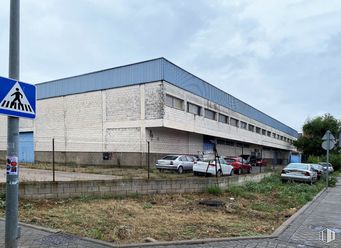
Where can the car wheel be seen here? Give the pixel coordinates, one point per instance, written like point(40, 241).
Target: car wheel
point(249, 171)
point(195, 173)
point(231, 173)
point(180, 170)
point(219, 173)
point(240, 171)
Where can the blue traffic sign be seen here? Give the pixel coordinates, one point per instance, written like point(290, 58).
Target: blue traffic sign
point(17, 98)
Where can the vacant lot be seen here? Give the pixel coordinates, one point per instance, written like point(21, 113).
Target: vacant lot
point(119, 172)
point(254, 209)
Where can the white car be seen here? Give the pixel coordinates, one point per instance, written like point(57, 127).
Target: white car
point(209, 168)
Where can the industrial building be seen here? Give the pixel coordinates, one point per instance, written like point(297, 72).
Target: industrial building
point(107, 117)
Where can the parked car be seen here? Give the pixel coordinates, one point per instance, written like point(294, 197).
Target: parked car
point(239, 165)
point(261, 162)
point(209, 168)
point(319, 170)
point(299, 172)
point(179, 163)
point(327, 166)
point(249, 159)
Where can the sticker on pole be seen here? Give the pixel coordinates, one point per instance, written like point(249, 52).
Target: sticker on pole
point(17, 98)
point(12, 167)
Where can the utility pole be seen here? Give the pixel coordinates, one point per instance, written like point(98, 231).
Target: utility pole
point(12, 180)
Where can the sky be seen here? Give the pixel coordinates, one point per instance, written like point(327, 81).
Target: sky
point(282, 57)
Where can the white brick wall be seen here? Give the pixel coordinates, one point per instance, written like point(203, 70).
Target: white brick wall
point(84, 122)
point(50, 123)
point(123, 140)
point(123, 104)
point(154, 99)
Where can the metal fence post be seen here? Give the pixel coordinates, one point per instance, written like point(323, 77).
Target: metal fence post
point(148, 158)
point(53, 170)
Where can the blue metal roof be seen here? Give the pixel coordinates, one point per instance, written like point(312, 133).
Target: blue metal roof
point(151, 71)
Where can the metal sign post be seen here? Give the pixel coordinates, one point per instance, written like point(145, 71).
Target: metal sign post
point(328, 144)
point(12, 178)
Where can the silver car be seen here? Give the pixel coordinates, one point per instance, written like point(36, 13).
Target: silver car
point(327, 166)
point(179, 163)
point(299, 172)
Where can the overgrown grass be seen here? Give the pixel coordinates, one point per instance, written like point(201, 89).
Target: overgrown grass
point(285, 195)
point(215, 190)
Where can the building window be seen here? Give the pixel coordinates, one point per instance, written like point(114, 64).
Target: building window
point(174, 102)
point(274, 135)
point(263, 132)
point(234, 122)
point(258, 129)
point(223, 119)
point(194, 109)
point(278, 137)
point(268, 133)
point(229, 143)
point(243, 125)
point(251, 128)
point(209, 114)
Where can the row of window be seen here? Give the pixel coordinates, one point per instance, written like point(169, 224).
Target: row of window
point(177, 103)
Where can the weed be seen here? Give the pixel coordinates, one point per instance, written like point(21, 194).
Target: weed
point(264, 207)
point(96, 233)
point(215, 190)
point(147, 205)
point(2, 200)
point(134, 195)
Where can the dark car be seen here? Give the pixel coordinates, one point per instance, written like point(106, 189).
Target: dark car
point(239, 164)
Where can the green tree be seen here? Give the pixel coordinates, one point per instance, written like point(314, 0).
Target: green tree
point(313, 130)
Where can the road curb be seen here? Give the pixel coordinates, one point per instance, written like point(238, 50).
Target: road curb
point(287, 223)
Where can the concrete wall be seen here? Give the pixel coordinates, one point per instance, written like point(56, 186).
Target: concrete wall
point(44, 190)
point(182, 120)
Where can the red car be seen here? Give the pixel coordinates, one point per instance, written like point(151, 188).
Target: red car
point(239, 165)
point(261, 162)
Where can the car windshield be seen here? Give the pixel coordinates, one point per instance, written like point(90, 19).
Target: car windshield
point(169, 157)
point(298, 166)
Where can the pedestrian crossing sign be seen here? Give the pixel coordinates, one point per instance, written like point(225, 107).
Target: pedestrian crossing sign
point(17, 98)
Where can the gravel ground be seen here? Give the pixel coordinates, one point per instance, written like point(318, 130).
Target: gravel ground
point(46, 175)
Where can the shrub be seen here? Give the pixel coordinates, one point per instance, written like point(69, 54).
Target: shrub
point(335, 160)
point(313, 159)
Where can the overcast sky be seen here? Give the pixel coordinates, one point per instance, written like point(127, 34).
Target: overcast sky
point(282, 57)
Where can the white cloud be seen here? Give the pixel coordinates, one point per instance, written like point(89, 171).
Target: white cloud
point(282, 57)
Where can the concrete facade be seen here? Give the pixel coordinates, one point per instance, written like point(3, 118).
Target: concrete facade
point(111, 126)
point(120, 120)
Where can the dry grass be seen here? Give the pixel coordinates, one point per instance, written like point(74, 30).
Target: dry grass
point(162, 217)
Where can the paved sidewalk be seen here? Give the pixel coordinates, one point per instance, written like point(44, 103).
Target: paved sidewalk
point(303, 231)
